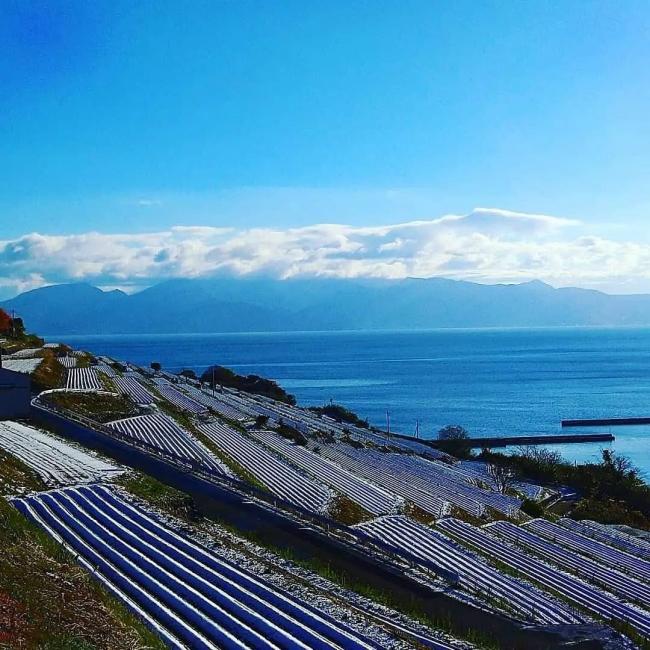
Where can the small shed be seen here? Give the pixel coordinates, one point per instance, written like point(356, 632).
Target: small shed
point(14, 394)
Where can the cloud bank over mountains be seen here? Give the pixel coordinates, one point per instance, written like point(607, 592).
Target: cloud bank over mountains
point(487, 245)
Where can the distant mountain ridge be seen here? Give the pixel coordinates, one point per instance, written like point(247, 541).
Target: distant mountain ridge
point(255, 304)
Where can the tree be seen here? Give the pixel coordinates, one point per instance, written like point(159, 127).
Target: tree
point(156, 367)
point(5, 322)
point(502, 476)
point(454, 440)
point(261, 421)
point(190, 374)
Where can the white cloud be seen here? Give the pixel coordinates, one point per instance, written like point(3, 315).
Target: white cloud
point(486, 245)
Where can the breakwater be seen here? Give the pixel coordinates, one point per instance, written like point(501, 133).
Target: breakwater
point(605, 422)
point(522, 441)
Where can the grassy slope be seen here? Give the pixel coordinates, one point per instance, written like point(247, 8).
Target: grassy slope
point(101, 408)
point(50, 373)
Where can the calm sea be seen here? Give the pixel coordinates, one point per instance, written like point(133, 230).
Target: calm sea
point(493, 382)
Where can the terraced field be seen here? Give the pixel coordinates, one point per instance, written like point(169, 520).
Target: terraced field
point(573, 589)
point(55, 461)
point(369, 496)
point(163, 434)
point(476, 576)
point(281, 479)
point(191, 597)
point(83, 379)
point(129, 385)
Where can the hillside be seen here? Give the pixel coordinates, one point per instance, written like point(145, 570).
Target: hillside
point(241, 305)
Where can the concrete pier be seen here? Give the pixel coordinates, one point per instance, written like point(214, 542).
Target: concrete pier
point(605, 422)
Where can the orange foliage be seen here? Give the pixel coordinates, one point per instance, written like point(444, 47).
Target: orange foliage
point(5, 321)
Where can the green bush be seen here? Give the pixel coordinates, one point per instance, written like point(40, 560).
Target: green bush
point(532, 508)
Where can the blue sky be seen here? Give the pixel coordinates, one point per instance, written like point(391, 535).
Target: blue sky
point(135, 118)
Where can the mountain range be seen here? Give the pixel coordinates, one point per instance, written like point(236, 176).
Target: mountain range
point(257, 304)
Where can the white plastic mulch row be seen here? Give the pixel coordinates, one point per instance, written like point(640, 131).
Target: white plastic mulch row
point(128, 385)
point(106, 369)
point(476, 575)
point(177, 398)
point(369, 496)
point(478, 470)
point(611, 536)
point(222, 408)
point(26, 366)
point(401, 443)
point(281, 479)
point(244, 406)
point(68, 362)
point(431, 498)
point(83, 379)
point(425, 472)
point(585, 595)
point(161, 432)
point(55, 461)
point(602, 552)
point(191, 597)
point(27, 353)
point(584, 567)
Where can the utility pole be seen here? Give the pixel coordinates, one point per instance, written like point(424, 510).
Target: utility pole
point(388, 424)
point(212, 381)
point(417, 429)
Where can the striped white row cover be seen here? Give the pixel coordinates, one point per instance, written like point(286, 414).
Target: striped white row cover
point(431, 498)
point(129, 385)
point(106, 369)
point(241, 403)
point(68, 362)
point(214, 403)
point(163, 433)
point(55, 461)
point(281, 479)
point(584, 567)
point(27, 353)
point(478, 470)
point(611, 536)
point(476, 576)
point(191, 597)
point(83, 379)
point(369, 496)
point(26, 366)
point(412, 446)
point(177, 398)
point(602, 552)
point(581, 593)
point(425, 472)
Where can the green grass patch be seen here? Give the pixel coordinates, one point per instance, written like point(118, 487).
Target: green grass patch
point(101, 408)
point(166, 498)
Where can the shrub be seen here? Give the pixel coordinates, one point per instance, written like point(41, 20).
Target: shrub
point(532, 508)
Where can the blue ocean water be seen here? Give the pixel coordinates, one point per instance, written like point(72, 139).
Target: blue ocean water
point(493, 382)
